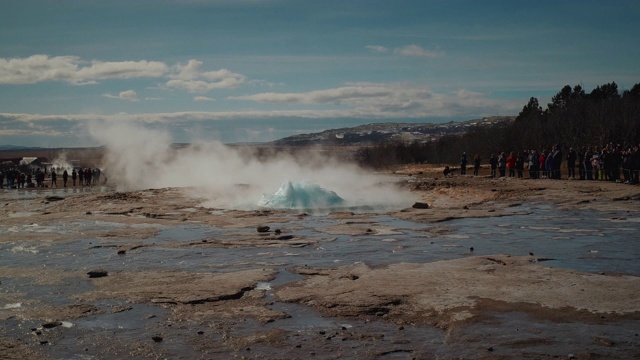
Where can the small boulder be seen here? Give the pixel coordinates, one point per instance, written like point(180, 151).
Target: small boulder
point(263, 228)
point(54, 198)
point(420, 205)
point(51, 325)
point(97, 273)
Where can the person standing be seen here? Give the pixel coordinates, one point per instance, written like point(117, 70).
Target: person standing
point(520, 164)
point(65, 177)
point(463, 164)
point(557, 162)
point(493, 162)
point(502, 164)
point(542, 164)
point(87, 176)
point(476, 164)
point(533, 164)
point(635, 165)
point(74, 176)
point(54, 178)
point(595, 163)
point(571, 163)
point(10, 178)
point(588, 165)
point(580, 160)
point(548, 164)
point(511, 164)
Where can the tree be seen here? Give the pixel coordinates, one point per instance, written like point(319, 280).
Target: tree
point(531, 111)
point(573, 118)
point(605, 92)
point(634, 93)
point(561, 100)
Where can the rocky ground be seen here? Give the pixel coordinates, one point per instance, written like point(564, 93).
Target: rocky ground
point(393, 309)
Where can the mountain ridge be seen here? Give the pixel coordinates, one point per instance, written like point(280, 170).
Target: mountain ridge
point(369, 134)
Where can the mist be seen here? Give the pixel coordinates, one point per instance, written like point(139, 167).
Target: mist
point(232, 177)
point(61, 162)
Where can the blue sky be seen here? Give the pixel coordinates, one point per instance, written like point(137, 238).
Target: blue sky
point(259, 70)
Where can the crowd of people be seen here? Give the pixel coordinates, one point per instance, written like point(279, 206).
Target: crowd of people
point(15, 179)
point(608, 163)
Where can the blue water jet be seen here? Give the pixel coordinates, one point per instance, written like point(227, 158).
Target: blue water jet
point(301, 195)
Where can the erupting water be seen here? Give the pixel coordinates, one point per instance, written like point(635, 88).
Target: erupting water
point(301, 195)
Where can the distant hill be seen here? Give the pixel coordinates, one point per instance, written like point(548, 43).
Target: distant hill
point(361, 135)
point(16, 147)
point(384, 132)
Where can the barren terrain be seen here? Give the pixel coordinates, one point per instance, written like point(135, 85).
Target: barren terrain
point(179, 280)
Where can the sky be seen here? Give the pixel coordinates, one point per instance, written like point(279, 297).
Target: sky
point(260, 70)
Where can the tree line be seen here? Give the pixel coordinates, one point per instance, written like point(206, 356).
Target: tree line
point(573, 118)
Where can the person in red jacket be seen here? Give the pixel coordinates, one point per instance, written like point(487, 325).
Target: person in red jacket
point(511, 164)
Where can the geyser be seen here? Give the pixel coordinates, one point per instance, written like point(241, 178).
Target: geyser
point(301, 195)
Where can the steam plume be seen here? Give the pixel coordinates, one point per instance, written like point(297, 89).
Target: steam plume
point(227, 177)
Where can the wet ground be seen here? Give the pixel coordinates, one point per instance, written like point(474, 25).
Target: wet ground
point(578, 239)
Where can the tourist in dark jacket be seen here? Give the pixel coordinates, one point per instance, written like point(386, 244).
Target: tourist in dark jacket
point(588, 167)
point(493, 161)
point(476, 164)
point(65, 177)
point(520, 164)
point(463, 164)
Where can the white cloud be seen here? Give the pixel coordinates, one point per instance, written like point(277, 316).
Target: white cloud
point(377, 49)
point(353, 94)
point(129, 95)
point(353, 100)
point(68, 129)
point(417, 51)
point(40, 68)
point(407, 51)
point(390, 101)
point(203, 98)
point(193, 78)
point(122, 70)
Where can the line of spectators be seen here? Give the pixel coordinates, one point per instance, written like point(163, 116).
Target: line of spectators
point(605, 163)
point(20, 180)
